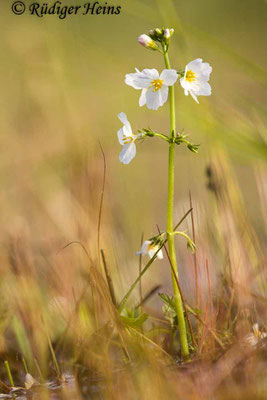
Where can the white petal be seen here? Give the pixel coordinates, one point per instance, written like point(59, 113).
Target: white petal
point(169, 76)
point(151, 252)
point(164, 91)
point(123, 118)
point(194, 65)
point(152, 74)
point(141, 80)
point(204, 89)
point(194, 86)
point(128, 153)
point(199, 87)
point(120, 134)
point(29, 381)
point(142, 100)
point(255, 328)
point(194, 96)
point(144, 247)
point(187, 88)
point(155, 99)
point(160, 254)
point(130, 80)
point(206, 70)
point(184, 84)
point(128, 131)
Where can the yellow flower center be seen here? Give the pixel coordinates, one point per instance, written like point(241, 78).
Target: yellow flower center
point(127, 139)
point(157, 83)
point(153, 247)
point(190, 76)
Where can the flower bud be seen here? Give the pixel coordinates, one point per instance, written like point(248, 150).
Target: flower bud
point(152, 33)
point(156, 34)
point(146, 41)
point(193, 147)
point(167, 34)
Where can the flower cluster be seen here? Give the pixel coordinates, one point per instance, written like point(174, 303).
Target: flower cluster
point(161, 35)
point(155, 87)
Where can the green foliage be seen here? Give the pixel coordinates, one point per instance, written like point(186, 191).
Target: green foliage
point(193, 310)
point(22, 338)
point(169, 308)
point(133, 318)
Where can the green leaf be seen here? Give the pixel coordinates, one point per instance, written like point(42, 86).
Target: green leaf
point(193, 311)
point(169, 308)
point(158, 331)
point(168, 300)
point(134, 322)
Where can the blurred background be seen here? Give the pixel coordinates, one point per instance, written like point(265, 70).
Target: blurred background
point(62, 87)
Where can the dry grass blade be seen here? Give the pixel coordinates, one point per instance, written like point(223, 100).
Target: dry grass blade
point(101, 198)
point(109, 279)
point(195, 260)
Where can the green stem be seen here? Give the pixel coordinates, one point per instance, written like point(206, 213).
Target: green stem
point(152, 134)
point(52, 350)
point(9, 374)
point(161, 136)
point(170, 230)
point(25, 366)
point(39, 371)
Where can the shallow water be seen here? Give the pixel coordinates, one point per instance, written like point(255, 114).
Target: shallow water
point(55, 391)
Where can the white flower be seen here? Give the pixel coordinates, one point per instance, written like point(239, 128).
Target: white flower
point(154, 86)
point(195, 80)
point(254, 338)
point(146, 41)
point(149, 248)
point(29, 381)
point(126, 138)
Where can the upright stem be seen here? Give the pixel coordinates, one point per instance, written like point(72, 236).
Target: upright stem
point(171, 245)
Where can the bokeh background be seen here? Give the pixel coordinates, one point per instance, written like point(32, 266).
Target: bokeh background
point(62, 86)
